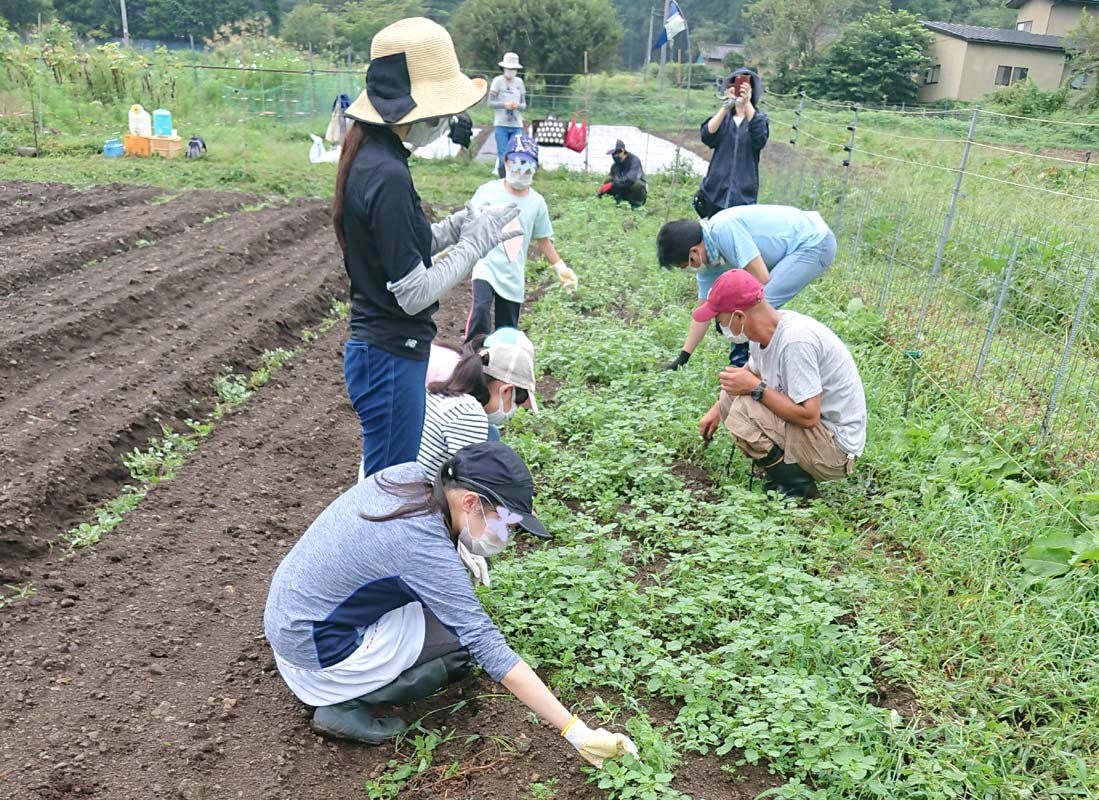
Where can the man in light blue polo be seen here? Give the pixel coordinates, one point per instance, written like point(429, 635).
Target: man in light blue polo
point(783, 247)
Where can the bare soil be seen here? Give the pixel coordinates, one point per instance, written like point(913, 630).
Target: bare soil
point(139, 669)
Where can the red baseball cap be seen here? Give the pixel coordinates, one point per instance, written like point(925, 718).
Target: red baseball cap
point(735, 290)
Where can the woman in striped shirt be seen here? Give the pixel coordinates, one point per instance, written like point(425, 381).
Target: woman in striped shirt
point(487, 386)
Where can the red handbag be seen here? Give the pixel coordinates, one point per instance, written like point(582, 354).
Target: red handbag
point(576, 137)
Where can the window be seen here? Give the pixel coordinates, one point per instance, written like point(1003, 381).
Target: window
point(1024, 26)
point(1005, 76)
point(931, 75)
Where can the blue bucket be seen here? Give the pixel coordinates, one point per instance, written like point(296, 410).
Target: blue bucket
point(112, 148)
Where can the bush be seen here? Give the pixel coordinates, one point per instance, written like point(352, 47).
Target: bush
point(309, 24)
point(1025, 98)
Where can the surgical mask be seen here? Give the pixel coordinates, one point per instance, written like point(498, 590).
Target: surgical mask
point(737, 338)
point(494, 539)
point(520, 180)
point(499, 416)
point(510, 73)
point(424, 132)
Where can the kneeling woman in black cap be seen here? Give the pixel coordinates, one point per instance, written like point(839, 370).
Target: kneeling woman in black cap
point(374, 606)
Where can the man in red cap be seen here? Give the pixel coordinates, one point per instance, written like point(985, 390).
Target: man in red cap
point(797, 409)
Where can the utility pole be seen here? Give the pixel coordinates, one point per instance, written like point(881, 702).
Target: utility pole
point(664, 49)
point(125, 25)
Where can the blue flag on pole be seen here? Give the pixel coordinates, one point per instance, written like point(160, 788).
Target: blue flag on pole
point(674, 25)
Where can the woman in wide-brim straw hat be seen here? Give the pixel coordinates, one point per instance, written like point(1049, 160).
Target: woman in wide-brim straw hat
point(413, 86)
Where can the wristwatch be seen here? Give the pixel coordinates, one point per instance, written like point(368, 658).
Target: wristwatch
point(757, 393)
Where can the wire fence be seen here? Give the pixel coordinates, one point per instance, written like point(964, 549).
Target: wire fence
point(1002, 314)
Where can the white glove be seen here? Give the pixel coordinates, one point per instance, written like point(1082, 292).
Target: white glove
point(477, 565)
point(568, 279)
point(598, 745)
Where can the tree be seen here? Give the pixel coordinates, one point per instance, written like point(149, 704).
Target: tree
point(1082, 42)
point(785, 35)
point(550, 36)
point(309, 24)
point(359, 21)
point(990, 13)
point(22, 13)
point(876, 60)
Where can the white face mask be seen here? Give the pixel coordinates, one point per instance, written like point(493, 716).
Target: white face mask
point(737, 338)
point(499, 416)
point(520, 180)
point(424, 133)
point(510, 73)
point(492, 542)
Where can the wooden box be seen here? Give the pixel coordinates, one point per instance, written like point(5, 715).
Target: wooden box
point(137, 145)
point(167, 146)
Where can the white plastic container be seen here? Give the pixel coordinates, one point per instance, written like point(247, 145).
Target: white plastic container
point(141, 123)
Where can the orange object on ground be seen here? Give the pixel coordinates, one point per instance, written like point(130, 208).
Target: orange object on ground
point(137, 145)
point(167, 146)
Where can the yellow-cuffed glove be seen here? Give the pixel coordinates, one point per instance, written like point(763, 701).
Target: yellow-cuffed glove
point(566, 276)
point(598, 745)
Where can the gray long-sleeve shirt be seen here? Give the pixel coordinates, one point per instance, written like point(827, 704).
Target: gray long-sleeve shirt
point(503, 91)
point(345, 573)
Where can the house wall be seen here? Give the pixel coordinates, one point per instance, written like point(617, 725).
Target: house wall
point(979, 75)
point(968, 69)
point(1065, 15)
point(1037, 12)
point(949, 53)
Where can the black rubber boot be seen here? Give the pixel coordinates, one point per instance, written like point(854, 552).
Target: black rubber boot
point(355, 720)
point(738, 355)
point(789, 480)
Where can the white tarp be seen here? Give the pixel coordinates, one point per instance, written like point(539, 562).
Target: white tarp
point(656, 154)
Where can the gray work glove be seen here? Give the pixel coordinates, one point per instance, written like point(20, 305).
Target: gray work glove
point(447, 231)
point(483, 228)
point(481, 232)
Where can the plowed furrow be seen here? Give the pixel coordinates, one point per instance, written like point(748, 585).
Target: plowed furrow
point(72, 427)
point(37, 256)
point(71, 207)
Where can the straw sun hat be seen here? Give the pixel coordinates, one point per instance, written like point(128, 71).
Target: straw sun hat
point(413, 75)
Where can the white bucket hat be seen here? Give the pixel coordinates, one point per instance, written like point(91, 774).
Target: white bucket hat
point(414, 75)
point(511, 61)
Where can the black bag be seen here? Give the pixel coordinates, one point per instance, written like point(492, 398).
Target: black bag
point(461, 129)
point(196, 148)
point(703, 207)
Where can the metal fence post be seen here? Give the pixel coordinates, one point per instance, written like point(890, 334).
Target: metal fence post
point(1066, 356)
point(892, 257)
point(312, 81)
point(995, 321)
point(858, 231)
point(816, 194)
point(797, 121)
point(914, 353)
point(849, 150)
point(801, 180)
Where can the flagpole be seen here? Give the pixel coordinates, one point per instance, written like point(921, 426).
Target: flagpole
point(648, 47)
point(664, 48)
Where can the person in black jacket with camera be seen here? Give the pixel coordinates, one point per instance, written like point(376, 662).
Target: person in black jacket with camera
point(736, 133)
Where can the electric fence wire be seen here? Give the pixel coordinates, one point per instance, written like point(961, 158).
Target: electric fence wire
point(950, 397)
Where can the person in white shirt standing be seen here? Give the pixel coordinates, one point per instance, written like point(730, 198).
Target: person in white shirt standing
point(798, 408)
point(507, 96)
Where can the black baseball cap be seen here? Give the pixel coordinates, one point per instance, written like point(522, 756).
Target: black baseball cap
point(495, 471)
point(619, 146)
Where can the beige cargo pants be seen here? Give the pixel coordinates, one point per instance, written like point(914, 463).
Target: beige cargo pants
point(757, 429)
